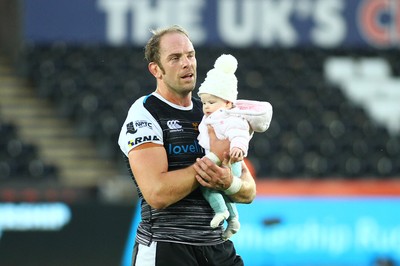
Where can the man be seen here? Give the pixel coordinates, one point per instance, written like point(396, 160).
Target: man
point(159, 139)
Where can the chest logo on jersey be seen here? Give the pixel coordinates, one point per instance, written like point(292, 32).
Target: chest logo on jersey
point(138, 140)
point(133, 127)
point(185, 148)
point(174, 125)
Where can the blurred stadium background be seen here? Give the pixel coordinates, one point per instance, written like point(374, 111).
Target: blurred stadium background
point(327, 168)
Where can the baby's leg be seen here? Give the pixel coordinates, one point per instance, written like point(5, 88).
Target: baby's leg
point(217, 203)
point(233, 221)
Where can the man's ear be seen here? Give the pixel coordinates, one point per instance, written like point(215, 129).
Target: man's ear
point(154, 70)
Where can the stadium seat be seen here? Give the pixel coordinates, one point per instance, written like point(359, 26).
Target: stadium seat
point(316, 130)
point(20, 160)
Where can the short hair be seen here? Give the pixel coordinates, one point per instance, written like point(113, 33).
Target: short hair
point(152, 48)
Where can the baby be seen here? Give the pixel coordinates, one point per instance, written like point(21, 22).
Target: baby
point(231, 119)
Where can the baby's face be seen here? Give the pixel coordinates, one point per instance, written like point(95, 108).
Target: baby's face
point(212, 103)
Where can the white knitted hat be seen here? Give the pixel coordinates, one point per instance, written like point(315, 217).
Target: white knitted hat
point(221, 80)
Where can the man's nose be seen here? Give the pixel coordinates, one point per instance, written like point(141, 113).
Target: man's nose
point(186, 61)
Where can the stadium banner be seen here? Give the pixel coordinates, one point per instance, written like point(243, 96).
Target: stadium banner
point(313, 231)
point(309, 223)
point(232, 23)
point(63, 234)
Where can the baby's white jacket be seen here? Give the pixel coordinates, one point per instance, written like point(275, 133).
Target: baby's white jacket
point(237, 124)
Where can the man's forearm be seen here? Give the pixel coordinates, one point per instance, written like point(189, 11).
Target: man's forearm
point(247, 191)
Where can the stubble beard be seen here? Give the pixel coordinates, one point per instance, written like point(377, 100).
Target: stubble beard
point(186, 88)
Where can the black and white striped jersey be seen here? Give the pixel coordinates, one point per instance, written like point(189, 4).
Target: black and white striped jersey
point(152, 119)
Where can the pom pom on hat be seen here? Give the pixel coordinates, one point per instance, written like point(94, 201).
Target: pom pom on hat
point(226, 63)
point(221, 80)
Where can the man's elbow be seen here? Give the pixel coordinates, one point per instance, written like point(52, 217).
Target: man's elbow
point(156, 201)
point(157, 204)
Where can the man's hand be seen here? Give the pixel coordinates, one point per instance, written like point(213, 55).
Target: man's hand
point(217, 146)
point(213, 176)
point(210, 175)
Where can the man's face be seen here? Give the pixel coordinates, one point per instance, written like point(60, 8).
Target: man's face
point(178, 63)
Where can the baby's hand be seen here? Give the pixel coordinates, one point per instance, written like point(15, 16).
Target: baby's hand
point(236, 155)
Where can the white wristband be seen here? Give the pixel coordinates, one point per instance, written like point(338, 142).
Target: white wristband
point(213, 158)
point(234, 187)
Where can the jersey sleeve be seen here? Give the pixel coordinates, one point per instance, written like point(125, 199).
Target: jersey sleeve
point(139, 127)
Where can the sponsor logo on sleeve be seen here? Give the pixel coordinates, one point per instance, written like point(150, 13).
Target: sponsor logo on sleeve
point(132, 127)
point(142, 139)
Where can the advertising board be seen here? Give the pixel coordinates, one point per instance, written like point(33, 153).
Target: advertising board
point(234, 23)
